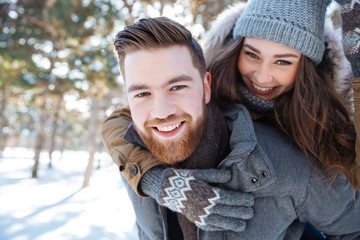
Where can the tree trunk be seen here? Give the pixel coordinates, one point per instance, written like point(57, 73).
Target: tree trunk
point(3, 122)
point(63, 143)
point(54, 129)
point(92, 140)
point(39, 142)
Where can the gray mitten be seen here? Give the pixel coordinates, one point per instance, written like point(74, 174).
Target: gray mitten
point(350, 14)
point(188, 192)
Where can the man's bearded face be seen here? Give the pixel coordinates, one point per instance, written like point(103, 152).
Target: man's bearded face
point(167, 97)
point(180, 147)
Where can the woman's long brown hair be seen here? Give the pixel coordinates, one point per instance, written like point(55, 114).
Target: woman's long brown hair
point(312, 113)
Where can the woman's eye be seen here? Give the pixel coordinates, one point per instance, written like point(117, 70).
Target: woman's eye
point(178, 87)
point(143, 94)
point(282, 62)
point(253, 55)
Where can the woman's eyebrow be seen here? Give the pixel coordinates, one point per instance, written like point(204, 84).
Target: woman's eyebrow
point(286, 55)
point(251, 48)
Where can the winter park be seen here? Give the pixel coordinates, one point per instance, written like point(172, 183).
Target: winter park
point(55, 206)
point(59, 81)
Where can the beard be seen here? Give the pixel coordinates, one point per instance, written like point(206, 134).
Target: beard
point(174, 150)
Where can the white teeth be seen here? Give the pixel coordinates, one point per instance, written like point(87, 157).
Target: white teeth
point(168, 128)
point(261, 88)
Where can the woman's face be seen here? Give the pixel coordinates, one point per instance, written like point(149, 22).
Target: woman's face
point(267, 68)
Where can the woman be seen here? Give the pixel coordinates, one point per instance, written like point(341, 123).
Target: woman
point(302, 97)
point(306, 108)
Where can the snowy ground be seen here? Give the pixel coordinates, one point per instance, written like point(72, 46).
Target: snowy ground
point(55, 207)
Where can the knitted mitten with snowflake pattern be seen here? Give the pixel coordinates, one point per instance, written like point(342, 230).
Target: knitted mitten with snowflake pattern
point(188, 192)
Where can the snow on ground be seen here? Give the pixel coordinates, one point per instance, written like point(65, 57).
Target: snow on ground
point(55, 206)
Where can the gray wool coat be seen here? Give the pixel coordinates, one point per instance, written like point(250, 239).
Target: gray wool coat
point(288, 191)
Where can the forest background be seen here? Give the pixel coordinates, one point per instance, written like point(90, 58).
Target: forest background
point(59, 77)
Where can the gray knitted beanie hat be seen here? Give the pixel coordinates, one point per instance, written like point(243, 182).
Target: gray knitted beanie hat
point(298, 24)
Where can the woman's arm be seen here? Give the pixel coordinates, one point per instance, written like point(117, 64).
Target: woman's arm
point(356, 170)
point(133, 161)
point(356, 86)
point(350, 14)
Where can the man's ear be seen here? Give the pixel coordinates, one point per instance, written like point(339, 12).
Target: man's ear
point(207, 87)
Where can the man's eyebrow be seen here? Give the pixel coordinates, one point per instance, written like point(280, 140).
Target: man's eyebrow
point(179, 78)
point(286, 55)
point(137, 87)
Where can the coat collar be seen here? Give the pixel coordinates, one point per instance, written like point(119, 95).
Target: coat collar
point(252, 167)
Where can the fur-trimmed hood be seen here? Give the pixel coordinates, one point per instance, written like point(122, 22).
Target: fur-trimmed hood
point(221, 31)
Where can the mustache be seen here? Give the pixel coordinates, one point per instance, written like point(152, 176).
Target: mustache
point(171, 118)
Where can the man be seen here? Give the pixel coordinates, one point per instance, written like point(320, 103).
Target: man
point(169, 99)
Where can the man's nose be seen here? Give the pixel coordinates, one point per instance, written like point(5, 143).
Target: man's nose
point(162, 107)
point(263, 74)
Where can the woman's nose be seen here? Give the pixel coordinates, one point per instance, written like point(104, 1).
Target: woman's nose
point(263, 74)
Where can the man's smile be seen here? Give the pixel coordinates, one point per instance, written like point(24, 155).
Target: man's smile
point(169, 130)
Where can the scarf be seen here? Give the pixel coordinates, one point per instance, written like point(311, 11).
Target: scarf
point(213, 147)
point(254, 103)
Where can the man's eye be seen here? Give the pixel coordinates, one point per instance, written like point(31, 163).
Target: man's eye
point(178, 87)
point(283, 62)
point(143, 94)
point(253, 55)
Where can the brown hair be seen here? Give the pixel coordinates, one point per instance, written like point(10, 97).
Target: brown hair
point(152, 33)
point(312, 113)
